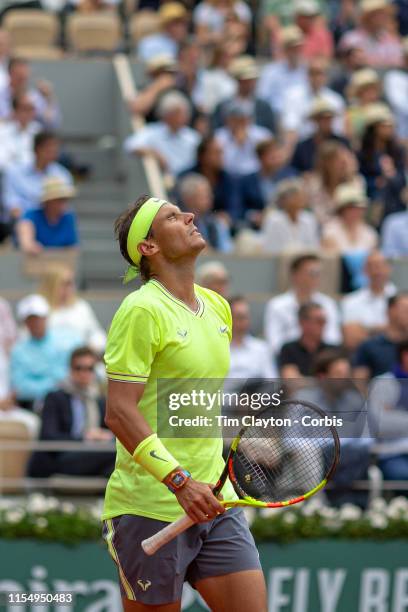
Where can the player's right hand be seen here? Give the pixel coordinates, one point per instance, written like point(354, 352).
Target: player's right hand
point(198, 501)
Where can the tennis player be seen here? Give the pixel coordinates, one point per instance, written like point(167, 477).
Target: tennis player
point(170, 328)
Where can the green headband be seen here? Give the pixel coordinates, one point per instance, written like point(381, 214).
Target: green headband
point(138, 231)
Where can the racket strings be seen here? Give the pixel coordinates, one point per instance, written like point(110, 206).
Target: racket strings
point(279, 463)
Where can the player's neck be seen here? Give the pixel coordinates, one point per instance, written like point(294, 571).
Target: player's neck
point(179, 281)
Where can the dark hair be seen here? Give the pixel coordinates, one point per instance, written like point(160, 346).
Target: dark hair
point(325, 359)
point(15, 61)
point(402, 347)
point(298, 262)
point(42, 137)
point(368, 151)
point(263, 146)
point(81, 351)
point(122, 227)
point(305, 310)
point(392, 301)
point(203, 146)
point(235, 299)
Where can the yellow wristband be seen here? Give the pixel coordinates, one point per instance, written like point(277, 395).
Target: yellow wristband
point(154, 457)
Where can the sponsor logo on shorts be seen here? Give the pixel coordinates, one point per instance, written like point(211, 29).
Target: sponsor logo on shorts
point(153, 454)
point(144, 584)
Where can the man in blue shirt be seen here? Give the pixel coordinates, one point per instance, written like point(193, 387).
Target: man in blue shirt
point(52, 226)
point(40, 360)
point(394, 235)
point(378, 354)
point(23, 183)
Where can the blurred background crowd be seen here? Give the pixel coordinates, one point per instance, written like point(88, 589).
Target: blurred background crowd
point(283, 126)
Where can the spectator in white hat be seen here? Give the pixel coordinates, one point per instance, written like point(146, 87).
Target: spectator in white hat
point(298, 102)
point(348, 231)
point(364, 89)
point(322, 115)
point(246, 72)
point(161, 77)
point(174, 27)
point(318, 40)
point(382, 48)
point(53, 225)
point(38, 362)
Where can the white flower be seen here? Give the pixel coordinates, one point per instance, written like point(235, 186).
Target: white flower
point(14, 516)
point(41, 522)
point(378, 521)
point(289, 518)
point(37, 503)
point(350, 512)
point(378, 505)
point(398, 508)
point(328, 513)
point(52, 503)
point(332, 523)
point(312, 507)
point(68, 508)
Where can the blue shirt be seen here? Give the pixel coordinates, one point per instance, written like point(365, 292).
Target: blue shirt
point(23, 184)
point(395, 235)
point(378, 354)
point(157, 44)
point(63, 233)
point(37, 366)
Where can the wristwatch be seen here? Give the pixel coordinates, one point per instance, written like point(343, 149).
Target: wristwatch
point(177, 479)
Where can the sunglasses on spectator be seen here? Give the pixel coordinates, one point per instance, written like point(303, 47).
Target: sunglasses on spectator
point(83, 368)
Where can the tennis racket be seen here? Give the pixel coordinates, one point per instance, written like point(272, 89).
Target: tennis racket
point(275, 465)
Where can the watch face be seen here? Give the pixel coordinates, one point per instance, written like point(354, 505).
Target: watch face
point(178, 479)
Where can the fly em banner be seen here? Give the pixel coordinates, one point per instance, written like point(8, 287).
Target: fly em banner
point(314, 576)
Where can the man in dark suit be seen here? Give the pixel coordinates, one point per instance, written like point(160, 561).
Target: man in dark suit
point(245, 71)
point(74, 412)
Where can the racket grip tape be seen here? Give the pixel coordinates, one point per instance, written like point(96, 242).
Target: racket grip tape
point(165, 535)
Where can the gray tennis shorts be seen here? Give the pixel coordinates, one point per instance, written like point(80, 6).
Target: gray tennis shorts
point(222, 546)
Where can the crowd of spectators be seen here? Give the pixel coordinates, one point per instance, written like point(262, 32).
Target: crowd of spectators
point(284, 129)
point(316, 93)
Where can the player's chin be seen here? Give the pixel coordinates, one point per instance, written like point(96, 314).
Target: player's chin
point(198, 241)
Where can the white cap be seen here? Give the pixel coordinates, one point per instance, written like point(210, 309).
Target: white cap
point(307, 7)
point(32, 305)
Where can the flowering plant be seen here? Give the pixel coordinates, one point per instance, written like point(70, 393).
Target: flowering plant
point(47, 518)
point(314, 520)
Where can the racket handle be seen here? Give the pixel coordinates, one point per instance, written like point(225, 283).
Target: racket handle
point(165, 535)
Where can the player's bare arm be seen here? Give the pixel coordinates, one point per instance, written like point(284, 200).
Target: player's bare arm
point(131, 428)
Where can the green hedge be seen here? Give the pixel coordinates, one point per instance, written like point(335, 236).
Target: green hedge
point(47, 518)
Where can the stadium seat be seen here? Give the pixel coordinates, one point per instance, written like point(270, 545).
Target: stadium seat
point(95, 32)
point(13, 462)
point(38, 53)
point(31, 28)
point(142, 24)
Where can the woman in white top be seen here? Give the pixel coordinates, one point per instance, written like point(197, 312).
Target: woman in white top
point(290, 228)
point(68, 311)
point(348, 232)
